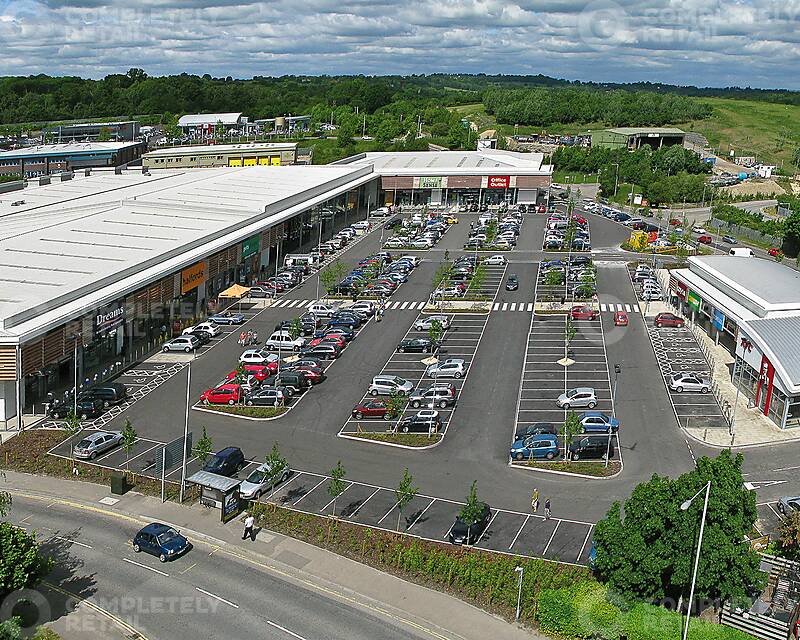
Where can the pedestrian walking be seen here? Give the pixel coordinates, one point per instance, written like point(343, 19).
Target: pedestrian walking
point(547, 509)
point(248, 338)
point(535, 500)
point(241, 339)
point(255, 337)
point(249, 523)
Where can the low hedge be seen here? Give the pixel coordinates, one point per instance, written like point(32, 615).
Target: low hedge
point(589, 468)
point(407, 439)
point(586, 610)
point(250, 412)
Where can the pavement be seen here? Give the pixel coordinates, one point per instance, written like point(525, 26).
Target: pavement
point(301, 588)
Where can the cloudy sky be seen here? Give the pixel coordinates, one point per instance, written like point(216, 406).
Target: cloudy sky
point(702, 42)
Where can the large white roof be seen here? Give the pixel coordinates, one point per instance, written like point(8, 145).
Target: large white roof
point(65, 149)
point(488, 162)
point(86, 242)
point(248, 147)
point(195, 119)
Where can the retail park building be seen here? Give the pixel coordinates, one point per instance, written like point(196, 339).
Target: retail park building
point(105, 266)
point(751, 306)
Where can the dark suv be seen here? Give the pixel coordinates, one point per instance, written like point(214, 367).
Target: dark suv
point(110, 393)
point(295, 382)
point(470, 532)
point(88, 407)
point(226, 462)
point(592, 447)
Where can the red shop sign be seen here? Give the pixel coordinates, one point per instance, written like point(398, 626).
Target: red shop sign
point(499, 182)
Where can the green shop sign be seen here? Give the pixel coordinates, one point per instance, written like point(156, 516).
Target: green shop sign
point(251, 246)
point(430, 183)
point(694, 300)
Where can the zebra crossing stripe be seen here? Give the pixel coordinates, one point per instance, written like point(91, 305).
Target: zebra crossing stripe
point(421, 305)
point(628, 308)
point(305, 303)
point(513, 306)
point(521, 306)
point(602, 306)
point(279, 304)
point(404, 305)
point(530, 306)
point(505, 306)
point(496, 306)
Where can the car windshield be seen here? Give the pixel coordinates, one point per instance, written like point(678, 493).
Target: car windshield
point(398, 381)
point(84, 443)
point(167, 536)
point(257, 477)
point(572, 393)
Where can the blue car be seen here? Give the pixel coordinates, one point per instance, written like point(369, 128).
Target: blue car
point(543, 446)
point(598, 422)
point(160, 540)
point(226, 317)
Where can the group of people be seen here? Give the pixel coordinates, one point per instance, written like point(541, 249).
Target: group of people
point(246, 338)
point(535, 504)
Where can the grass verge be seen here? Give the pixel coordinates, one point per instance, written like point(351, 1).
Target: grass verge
point(597, 469)
point(406, 439)
point(250, 412)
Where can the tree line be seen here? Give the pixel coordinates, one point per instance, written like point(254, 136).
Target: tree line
point(545, 106)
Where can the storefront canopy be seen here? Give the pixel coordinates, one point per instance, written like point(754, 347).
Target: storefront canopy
point(235, 291)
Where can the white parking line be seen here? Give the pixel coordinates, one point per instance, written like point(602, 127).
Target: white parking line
point(518, 532)
point(215, 596)
point(394, 506)
point(422, 513)
point(358, 508)
point(480, 537)
point(294, 504)
point(552, 535)
point(585, 540)
point(284, 629)
point(71, 541)
point(325, 508)
point(144, 566)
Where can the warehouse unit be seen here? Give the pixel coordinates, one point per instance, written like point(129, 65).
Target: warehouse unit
point(42, 160)
point(223, 155)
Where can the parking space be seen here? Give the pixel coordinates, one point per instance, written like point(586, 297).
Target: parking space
point(677, 351)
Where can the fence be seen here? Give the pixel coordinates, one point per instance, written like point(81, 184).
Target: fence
point(745, 232)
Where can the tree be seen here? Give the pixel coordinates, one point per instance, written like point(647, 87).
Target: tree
point(649, 554)
point(277, 463)
point(789, 532)
point(569, 335)
point(404, 493)
point(295, 328)
point(791, 234)
point(21, 564)
point(478, 278)
point(241, 374)
point(336, 484)
point(572, 427)
point(128, 440)
point(10, 630)
point(553, 278)
point(204, 447)
point(796, 157)
point(435, 332)
point(396, 403)
point(5, 499)
point(472, 509)
point(72, 427)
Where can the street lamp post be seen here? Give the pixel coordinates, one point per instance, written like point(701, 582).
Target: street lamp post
point(617, 371)
point(685, 507)
point(186, 428)
point(616, 176)
point(519, 571)
point(319, 251)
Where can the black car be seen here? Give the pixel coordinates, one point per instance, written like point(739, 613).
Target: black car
point(110, 393)
point(580, 260)
point(203, 336)
point(470, 532)
point(325, 351)
point(87, 407)
point(306, 327)
point(225, 462)
point(592, 447)
point(293, 382)
point(420, 424)
point(335, 331)
point(415, 345)
point(512, 284)
point(394, 223)
point(267, 397)
point(342, 289)
point(536, 429)
point(304, 362)
point(473, 244)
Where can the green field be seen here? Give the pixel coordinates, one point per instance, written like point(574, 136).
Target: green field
point(769, 131)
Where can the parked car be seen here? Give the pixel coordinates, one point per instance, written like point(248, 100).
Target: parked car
point(598, 422)
point(109, 392)
point(283, 340)
point(185, 343)
point(267, 397)
point(203, 337)
point(93, 444)
point(512, 284)
point(86, 408)
point(705, 239)
point(470, 532)
point(325, 351)
point(262, 479)
point(228, 394)
point(578, 397)
point(534, 447)
point(322, 310)
point(729, 239)
point(429, 422)
point(450, 368)
point(258, 356)
point(774, 252)
point(789, 504)
point(225, 462)
point(371, 409)
point(385, 385)
point(160, 540)
point(416, 345)
point(442, 395)
point(620, 319)
point(681, 382)
point(535, 429)
point(424, 323)
point(209, 327)
point(496, 259)
point(592, 447)
point(583, 313)
point(263, 291)
point(668, 320)
point(226, 317)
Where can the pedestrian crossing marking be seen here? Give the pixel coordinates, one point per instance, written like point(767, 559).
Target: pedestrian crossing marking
point(602, 306)
point(496, 306)
point(513, 306)
point(505, 306)
point(404, 305)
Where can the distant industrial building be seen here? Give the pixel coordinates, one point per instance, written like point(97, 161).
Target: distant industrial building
point(633, 138)
point(126, 131)
point(284, 124)
point(31, 162)
point(207, 125)
point(225, 155)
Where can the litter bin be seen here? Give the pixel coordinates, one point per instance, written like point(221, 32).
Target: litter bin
point(119, 483)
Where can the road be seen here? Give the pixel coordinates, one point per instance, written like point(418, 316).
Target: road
point(207, 593)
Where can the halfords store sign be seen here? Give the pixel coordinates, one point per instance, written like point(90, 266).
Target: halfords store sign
point(193, 277)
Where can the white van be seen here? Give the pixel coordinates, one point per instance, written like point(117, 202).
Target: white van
point(282, 340)
point(299, 260)
point(745, 252)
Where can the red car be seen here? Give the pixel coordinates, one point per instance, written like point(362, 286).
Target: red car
point(542, 208)
point(705, 239)
point(223, 394)
point(774, 251)
point(583, 313)
point(579, 219)
point(620, 319)
point(313, 374)
point(259, 371)
point(669, 320)
point(371, 409)
point(339, 341)
point(675, 222)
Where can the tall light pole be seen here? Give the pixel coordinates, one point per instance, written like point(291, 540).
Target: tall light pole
point(519, 571)
point(685, 507)
point(186, 427)
point(319, 251)
point(617, 371)
point(75, 338)
point(616, 176)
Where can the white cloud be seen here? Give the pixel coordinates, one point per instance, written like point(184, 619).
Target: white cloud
point(705, 42)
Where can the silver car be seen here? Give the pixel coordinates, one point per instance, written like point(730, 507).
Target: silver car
point(96, 443)
point(181, 343)
point(681, 382)
point(788, 505)
point(423, 324)
point(578, 397)
point(450, 368)
point(261, 479)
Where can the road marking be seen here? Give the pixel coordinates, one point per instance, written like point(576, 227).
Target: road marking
point(530, 306)
point(495, 306)
point(358, 508)
point(505, 306)
point(602, 306)
point(294, 504)
point(628, 308)
point(513, 306)
point(213, 595)
point(404, 305)
point(771, 508)
point(527, 517)
point(583, 546)
point(284, 629)
point(191, 566)
point(335, 499)
point(552, 535)
point(388, 512)
point(480, 537)
point(144, 566)
point(760, 484)
point(422, 513)
point(70, 540)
